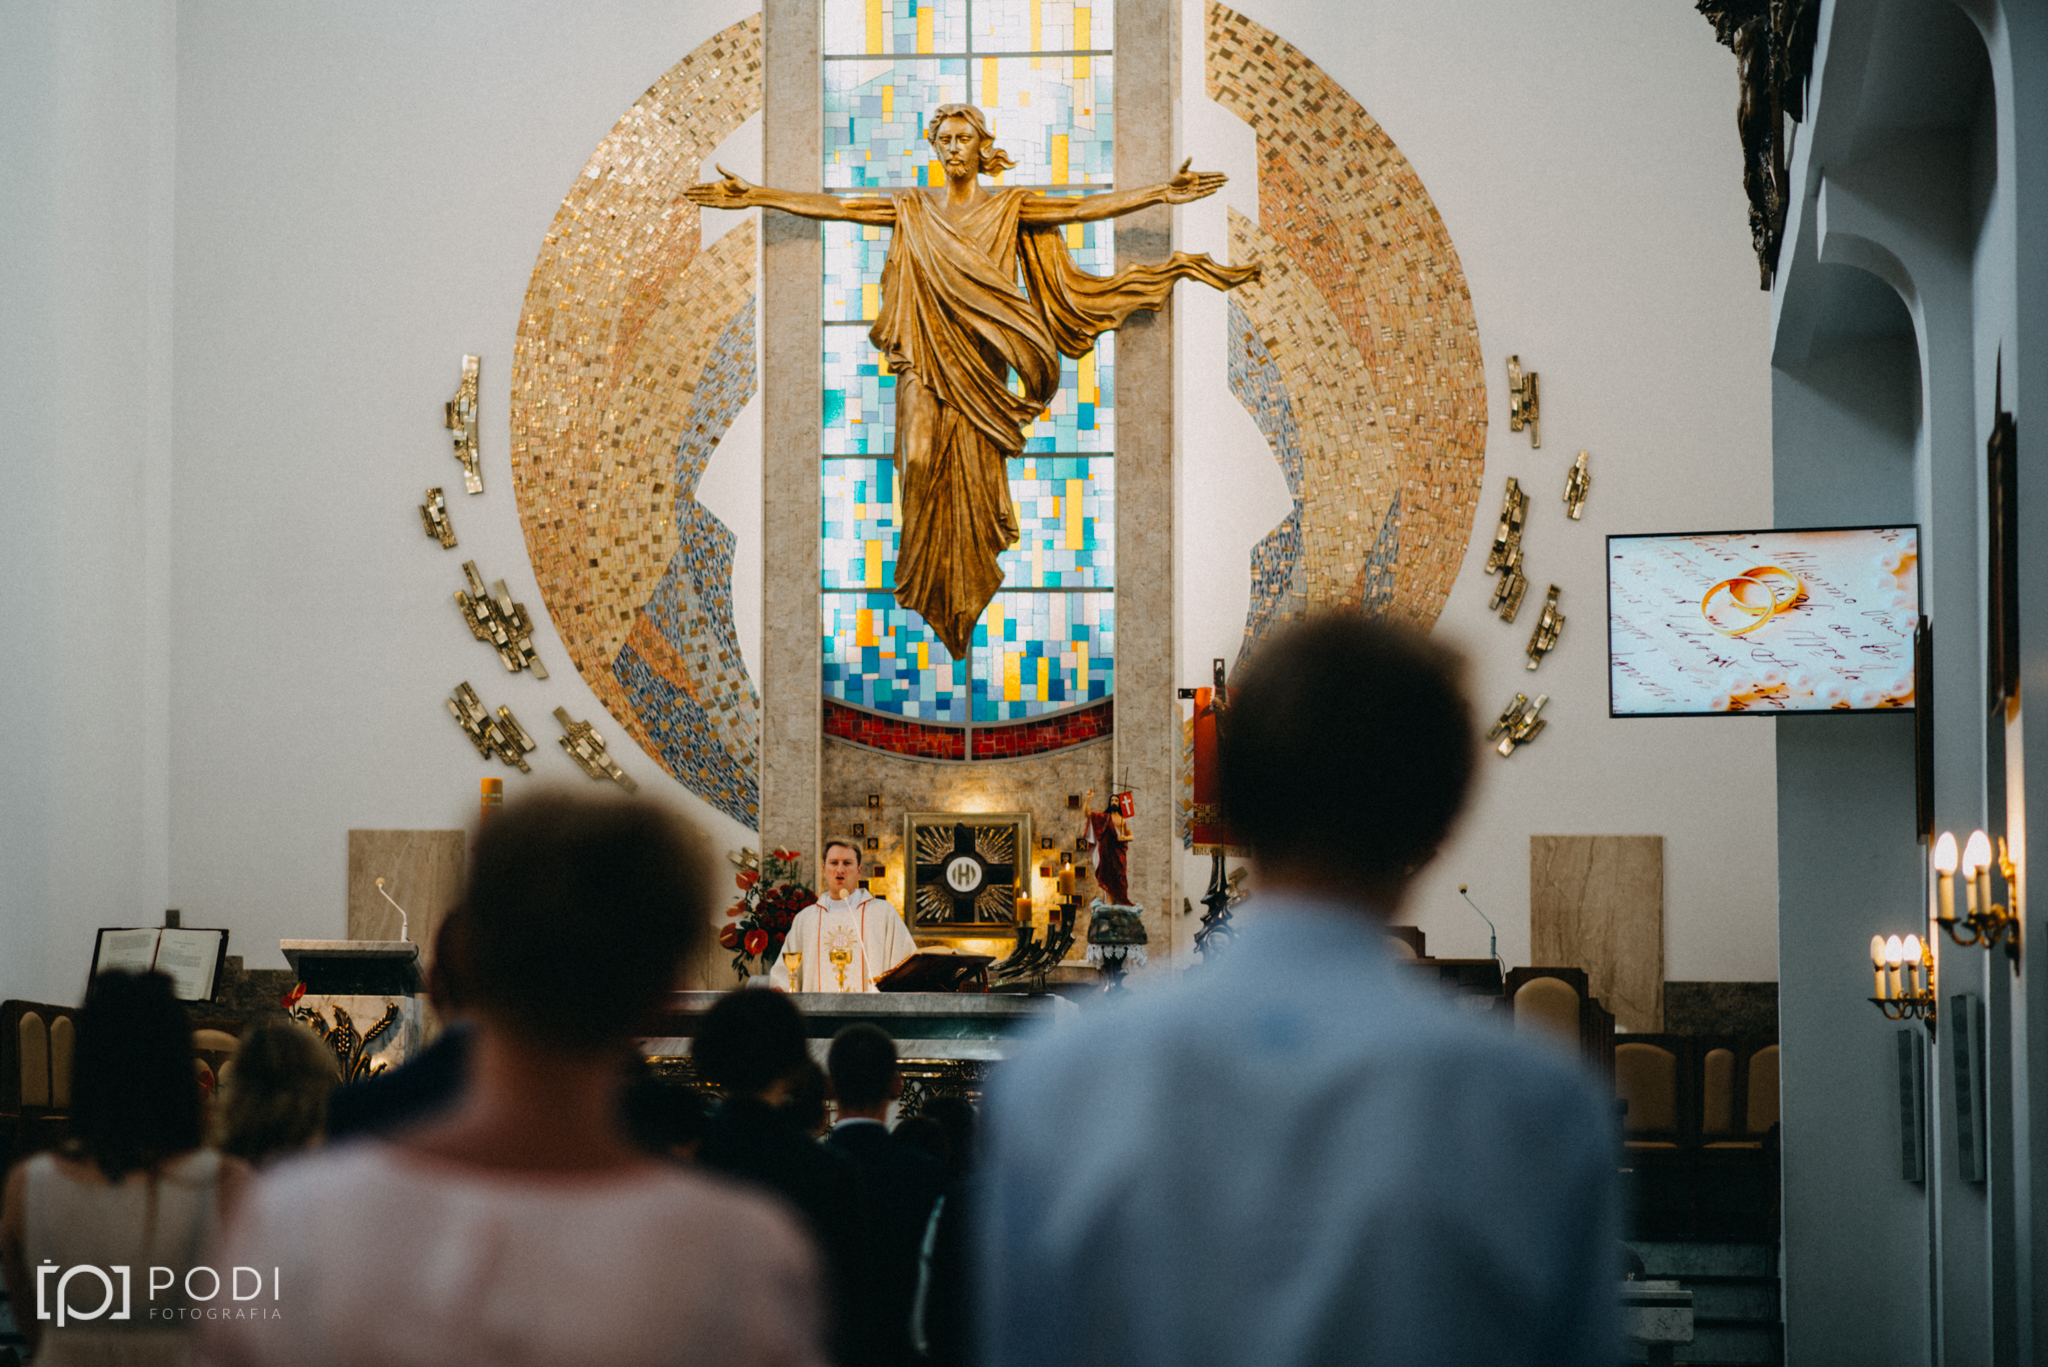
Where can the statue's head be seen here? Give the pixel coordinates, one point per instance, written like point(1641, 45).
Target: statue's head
point(959, 131)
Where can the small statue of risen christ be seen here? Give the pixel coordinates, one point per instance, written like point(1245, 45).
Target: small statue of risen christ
point(955, 321)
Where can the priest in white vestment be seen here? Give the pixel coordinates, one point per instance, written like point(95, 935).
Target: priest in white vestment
point(847, 938)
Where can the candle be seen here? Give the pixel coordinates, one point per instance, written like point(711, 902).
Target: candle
point(1945, 876)
point(1910, 953)
point(1877, 964)
point(1067, 881)
point(1894, 950)
point(1977, 871)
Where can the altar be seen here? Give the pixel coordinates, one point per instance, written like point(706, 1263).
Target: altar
point(946, 1041)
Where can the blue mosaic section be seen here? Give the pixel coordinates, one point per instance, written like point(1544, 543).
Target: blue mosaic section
point(861, 527)
point(875, 114)
point(1376, 583)
point(890, 26)
point(881, 656)
point(1066, 511)
point(707, 734)
point(1036, 653)
point(1053, 115)
point(1042, 25)
point(1277, 592)
point(859, 415)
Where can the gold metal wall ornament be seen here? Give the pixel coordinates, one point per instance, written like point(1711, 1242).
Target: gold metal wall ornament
point(500, 735)
point(499, 622)
point(460, 419)
point(1518, 723)
point(434, 517)
point(1544, 639)
point(1507, 539)
point(1507, 594)
point(586, 747)
point(1524, 408)
point(1577, 485)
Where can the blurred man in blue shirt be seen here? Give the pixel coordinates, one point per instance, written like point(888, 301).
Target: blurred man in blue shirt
point(1297, 1154)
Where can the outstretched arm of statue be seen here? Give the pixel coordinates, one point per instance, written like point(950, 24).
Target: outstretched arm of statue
point(734, 192)
point(1185, 186)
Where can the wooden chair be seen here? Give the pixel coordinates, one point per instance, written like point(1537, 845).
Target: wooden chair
point(1547, 1006)
point(37, 1043)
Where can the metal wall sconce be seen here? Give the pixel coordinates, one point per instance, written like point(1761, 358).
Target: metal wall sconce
point(1984, 923)
point(1904, 972)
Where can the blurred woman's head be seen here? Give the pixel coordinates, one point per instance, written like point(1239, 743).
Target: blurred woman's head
point(134, 1080)
point(578, 915)
point(274, 1092)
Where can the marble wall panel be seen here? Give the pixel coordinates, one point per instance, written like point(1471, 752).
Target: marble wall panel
point(1597, 902)
point(423, 872)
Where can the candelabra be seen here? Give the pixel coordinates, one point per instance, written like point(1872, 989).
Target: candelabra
point(1904, 971)
point(1984, 922)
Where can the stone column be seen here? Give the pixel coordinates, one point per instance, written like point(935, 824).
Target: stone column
point(792, 374)
point(1147, 713)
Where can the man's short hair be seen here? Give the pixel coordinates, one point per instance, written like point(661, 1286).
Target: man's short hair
point(578, 914)
point(1347, 748)
point(836, 842)
point(862, 1062)
point(750, 1040)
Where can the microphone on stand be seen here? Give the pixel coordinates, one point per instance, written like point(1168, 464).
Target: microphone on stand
point(1492, 935)
point(405, 922)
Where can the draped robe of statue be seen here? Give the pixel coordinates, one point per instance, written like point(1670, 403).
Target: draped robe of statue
point(954, 322)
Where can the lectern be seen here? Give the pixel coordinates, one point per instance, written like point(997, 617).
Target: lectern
point(362, 997)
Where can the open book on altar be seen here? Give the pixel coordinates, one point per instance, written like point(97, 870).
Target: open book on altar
point(934, 970)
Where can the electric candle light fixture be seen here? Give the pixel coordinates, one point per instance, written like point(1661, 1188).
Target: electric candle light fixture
point(1984, 922)
point(1904, 972)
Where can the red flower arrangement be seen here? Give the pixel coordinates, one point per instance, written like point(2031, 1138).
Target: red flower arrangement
point(771, 894)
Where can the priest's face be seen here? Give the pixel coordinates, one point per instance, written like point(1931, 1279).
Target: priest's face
point(958, 144)
point(842, 870)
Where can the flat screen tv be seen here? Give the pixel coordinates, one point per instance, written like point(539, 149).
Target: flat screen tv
point(1762, 623)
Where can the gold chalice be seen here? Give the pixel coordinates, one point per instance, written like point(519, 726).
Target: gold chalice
point(840, 959)
point(793, 960)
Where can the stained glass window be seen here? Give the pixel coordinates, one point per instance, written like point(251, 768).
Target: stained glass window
point(1042, 72)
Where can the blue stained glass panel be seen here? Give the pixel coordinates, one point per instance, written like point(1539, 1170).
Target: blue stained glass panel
point(1036, 653)
point(860, 401)
point(1053, 115)
point(1081, 416)
point(880, 656)
point(1066, 510)
point(885, 26)
point(858, 550)
point(875, 114)
point(854, 253)
point(1041, 25)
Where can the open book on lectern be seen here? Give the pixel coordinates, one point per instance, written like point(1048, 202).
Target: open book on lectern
point(191, 959)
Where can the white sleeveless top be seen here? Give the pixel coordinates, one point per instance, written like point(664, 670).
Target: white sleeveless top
point(162, 1221)
point(387, 1258)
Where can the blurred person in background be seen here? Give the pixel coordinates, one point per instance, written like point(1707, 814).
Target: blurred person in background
point(1301, 1156)
point(273, 1094)
point(523, 1225)
point(132, 1188)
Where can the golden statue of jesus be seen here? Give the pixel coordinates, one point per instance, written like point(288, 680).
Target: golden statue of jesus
point(955, 321)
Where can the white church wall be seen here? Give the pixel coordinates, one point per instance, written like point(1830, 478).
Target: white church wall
point(87, 98)
point(1586, 167)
